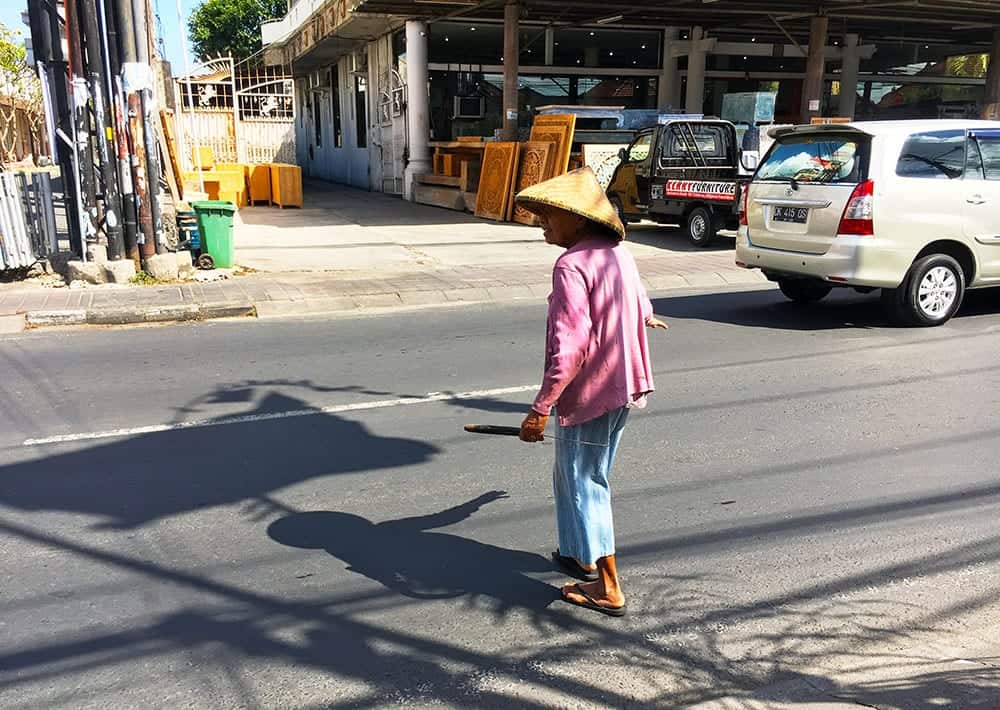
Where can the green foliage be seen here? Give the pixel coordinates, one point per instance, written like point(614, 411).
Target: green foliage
point(231, 27)
point(17, 79)
point(13, 55)
point(142, 278)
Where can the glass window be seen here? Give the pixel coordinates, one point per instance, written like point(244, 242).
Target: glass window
point(709, 142)
point(454, 42)
point(630, 92)
point(639, 150)
point(937, 155)
point(317, 114)
point(335, 112)
point(973, 161)
point(605, 47)
point(465, 43)
point(696, 144)
point(361, 110)
point(823, 159)
point(990, 150)
point(895, 101)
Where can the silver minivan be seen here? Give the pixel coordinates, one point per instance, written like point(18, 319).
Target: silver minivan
point(908, 207)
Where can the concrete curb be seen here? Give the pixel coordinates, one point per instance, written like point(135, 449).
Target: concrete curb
point(330, 305)
point(132, 315)
point(12, 323)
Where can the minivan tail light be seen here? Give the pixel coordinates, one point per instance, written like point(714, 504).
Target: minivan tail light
point(745, 193)
point(858, 218)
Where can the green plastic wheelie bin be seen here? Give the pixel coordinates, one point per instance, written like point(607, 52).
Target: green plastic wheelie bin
point(215, 224)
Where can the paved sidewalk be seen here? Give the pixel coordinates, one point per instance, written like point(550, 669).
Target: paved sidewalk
point(349, 250)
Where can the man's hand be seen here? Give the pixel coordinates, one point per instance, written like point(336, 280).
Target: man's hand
point(533, 426)
point(656, 323)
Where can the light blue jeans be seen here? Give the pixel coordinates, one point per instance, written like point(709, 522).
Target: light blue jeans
point(580, 483)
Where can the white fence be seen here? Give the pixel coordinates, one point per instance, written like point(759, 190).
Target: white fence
point(27, 219)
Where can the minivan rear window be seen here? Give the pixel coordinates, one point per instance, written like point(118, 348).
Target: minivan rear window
point(815, 159)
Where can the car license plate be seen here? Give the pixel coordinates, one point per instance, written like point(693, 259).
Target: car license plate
point(796, 215)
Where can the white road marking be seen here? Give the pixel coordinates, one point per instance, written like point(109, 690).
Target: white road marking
point(250, 418)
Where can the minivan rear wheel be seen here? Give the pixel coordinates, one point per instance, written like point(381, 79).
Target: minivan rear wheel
point(804, 290)
point(701, 227)
point(931, 293)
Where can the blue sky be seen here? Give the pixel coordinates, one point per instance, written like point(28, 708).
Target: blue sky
point(167, 10)
point(10, 15)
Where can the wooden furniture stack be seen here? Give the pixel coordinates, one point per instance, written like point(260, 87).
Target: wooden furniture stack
point(455, 177)
point(260, 184)
point(483, 177)
point(242, 184)
point(286, 185)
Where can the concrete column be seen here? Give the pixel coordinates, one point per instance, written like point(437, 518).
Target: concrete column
point(991, 100)
point(511, 57)
point(550, 46)
point(418, 117)
point(669, 89)
point(849, 76)
point(694, 101)
point(812, 88)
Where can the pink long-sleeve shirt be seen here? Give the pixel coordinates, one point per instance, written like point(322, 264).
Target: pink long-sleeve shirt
point(596, 353)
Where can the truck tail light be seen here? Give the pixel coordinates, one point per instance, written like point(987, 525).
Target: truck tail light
point(744, 195)
point(857, 219)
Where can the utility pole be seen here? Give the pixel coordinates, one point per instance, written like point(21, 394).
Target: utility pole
point(87, 202)
point(46, 38)
point(95, 70)
point(114, 40)
point(132, 78)
point(148, 106)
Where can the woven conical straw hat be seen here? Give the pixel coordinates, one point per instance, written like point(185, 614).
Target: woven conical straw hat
point(578, 192)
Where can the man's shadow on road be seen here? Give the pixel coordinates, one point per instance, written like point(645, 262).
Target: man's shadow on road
point(403, 556)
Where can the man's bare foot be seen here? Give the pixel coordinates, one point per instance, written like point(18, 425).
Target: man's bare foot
point(589, 568)
point(609, 599)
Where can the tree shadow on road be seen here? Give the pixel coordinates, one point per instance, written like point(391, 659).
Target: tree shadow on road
point(691, 641)
point(280, 441)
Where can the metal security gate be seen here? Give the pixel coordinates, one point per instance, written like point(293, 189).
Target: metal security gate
point(265, 117)
point(244, 112)
point(391, 130)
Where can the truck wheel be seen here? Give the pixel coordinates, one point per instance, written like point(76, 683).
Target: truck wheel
point(701, 228)
point(804, 290)
point(931, 293)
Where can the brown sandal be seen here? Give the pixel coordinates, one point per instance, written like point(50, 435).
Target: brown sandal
point(591, 603)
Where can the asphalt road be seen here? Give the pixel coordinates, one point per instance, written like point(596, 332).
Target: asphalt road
point(287, 514)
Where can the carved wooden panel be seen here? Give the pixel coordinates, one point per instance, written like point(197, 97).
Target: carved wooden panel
point(559, 129)
point(496, 180)
point(534, 166)
point(603, 160)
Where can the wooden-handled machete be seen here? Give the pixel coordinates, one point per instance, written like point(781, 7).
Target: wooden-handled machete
point(516, 431)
